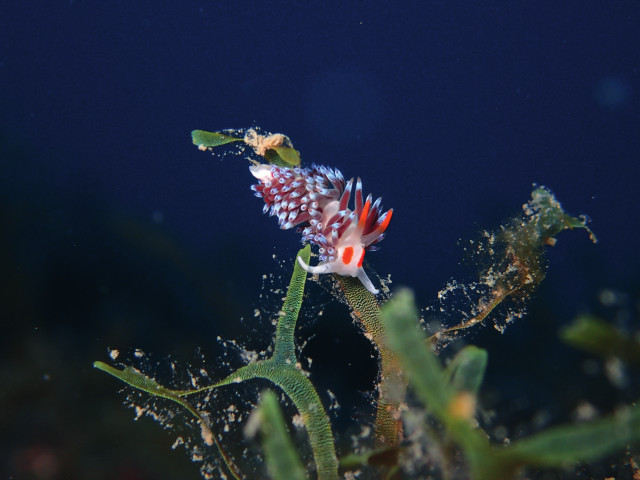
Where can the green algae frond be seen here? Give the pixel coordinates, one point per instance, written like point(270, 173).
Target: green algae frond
point(514, 259)
point(555, 447)
point(281, 456)
point(281, 369)
point(276, 148)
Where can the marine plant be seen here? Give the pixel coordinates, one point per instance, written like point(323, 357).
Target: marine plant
point(426, 421)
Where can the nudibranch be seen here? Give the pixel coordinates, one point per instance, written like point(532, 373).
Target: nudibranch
point(316, 200)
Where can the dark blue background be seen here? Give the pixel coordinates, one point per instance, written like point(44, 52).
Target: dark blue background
point(117, 231)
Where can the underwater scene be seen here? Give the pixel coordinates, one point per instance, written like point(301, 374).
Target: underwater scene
point(304, 240)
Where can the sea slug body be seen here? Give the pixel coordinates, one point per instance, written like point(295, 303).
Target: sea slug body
point(316, 200)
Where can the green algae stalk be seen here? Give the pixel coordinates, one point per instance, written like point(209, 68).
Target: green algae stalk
point(297, 386)
point(392, 386)
point(466, 370)
point(284, 348)
point(423, 369)
point(281, 369)
point(280, 454)
point(587, 441)
point(138, 380)
point(595, 336)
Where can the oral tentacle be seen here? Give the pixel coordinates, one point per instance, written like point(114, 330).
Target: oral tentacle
point(325, 268)
point(362, 276)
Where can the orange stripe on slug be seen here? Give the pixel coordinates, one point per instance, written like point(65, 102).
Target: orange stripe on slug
point(361, 259)
point(363, 215)
point(383, 226)
point(347, 255)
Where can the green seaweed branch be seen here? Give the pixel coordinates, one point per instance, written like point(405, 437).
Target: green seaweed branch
point(138, 380)
point(514, 258)
point(282, 369)
point(596, 336)
point(281, 456)
point(365, 309)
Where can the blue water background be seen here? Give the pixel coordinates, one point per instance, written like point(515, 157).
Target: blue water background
point(118, 232)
